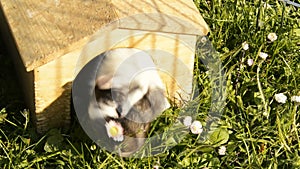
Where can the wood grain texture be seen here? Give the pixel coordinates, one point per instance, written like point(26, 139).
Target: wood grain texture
point(52, 84)
point(173, 16)
point(47, 29)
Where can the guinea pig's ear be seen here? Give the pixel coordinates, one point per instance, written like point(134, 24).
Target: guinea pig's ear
point(104, 82)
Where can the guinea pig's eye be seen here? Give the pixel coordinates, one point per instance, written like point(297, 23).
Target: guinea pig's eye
point(119, 110)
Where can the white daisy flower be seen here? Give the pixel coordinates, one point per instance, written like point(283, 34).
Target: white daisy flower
point(280, 98)
point(156, 166)
point(93, 147)
point(295, 99)
point(196, 127)
point(204, 39)
point(222, 150)
point(263, 55)
point(265, 114)
point(272, 37)
point(261, 23)
point(250, 62)
point(114, 130)
point(187, 121)
point(245, 45)
point(266, 5)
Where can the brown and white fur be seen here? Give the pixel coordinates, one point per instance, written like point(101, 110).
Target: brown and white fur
point(129, 90)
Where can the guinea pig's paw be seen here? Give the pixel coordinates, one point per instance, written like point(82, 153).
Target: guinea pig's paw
point(125, 109)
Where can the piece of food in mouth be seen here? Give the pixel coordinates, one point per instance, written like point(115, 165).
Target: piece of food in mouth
point(114, 130)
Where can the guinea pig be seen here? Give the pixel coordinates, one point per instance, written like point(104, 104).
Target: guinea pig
point(129, 90)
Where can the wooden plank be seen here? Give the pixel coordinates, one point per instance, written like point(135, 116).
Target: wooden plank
point(52, 83)
point(173, 16)
point(44, 30)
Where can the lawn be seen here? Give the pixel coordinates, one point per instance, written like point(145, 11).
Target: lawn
point(255, 46)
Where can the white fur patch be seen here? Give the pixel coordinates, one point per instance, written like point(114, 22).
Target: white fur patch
point(132, 71)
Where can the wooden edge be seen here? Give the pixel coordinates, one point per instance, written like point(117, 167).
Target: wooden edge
point(180, 16)
point(46, 30)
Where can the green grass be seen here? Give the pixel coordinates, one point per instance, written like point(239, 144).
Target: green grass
point(257, 131)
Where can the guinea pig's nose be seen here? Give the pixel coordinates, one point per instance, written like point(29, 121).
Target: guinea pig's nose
point(119, 110)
